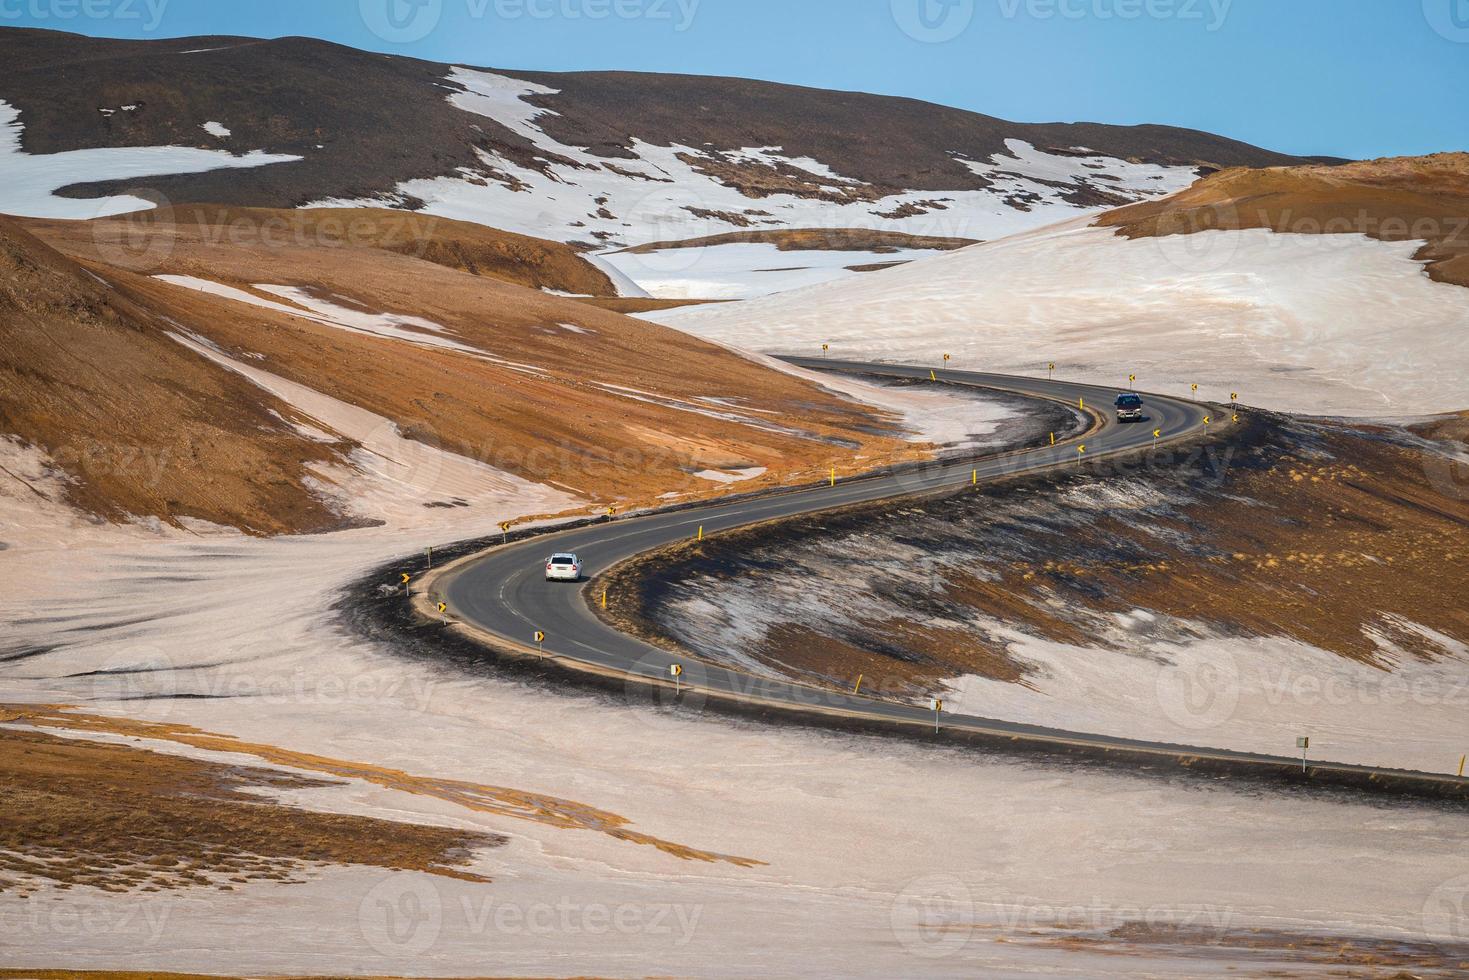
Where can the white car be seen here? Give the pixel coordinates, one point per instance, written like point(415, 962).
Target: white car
point(563, 568)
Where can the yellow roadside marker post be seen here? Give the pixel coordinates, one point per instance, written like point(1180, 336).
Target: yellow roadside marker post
point(931, 375)
point(833, 476)
point(1053, 438)
point(1082, 403)
point(540, 639)
point(858, 690)
point(1462, 760)
point(604, 598)
point(677, 671)
point(701, 533)
point(974, 479)
point(937, 705)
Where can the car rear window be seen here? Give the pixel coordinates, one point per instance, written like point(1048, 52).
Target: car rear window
point(562, 560)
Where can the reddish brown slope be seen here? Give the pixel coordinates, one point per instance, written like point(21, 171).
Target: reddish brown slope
point(141, 426)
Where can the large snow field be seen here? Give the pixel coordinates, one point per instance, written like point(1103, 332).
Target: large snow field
point(1336, 325)
point(904, 860)
point(28, 181)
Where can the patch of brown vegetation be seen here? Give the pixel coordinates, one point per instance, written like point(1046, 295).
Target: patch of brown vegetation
point(759, 180)
point(74, 375)
point(817, 240)
point(1342, 952)
point(121, 818)
point(549, 810)
point(1395, 199)
point(874, 266)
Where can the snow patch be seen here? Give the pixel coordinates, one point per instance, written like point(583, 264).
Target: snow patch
point(31, 180)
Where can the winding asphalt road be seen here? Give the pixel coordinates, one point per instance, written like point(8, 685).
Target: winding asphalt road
point(503, 592)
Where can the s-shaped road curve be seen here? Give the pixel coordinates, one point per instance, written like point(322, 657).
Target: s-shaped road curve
point(502, 594)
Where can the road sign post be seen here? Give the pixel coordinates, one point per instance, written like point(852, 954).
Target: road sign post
point(1303, 743)
point(430, 552)
point(1051, 371)
point(540, 641)
point(937, 704)
point(677, 673)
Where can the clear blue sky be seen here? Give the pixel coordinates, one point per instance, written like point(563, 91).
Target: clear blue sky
point(1352, 78)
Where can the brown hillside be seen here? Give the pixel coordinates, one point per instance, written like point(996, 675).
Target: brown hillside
point(363, 121)
point(1395, 199)
point(140, 426)
point(537, 400)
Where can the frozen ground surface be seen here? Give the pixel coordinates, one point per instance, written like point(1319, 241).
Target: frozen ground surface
point(28, 181)
point(743, 270)
point(1325, 324)
point(905, 860)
